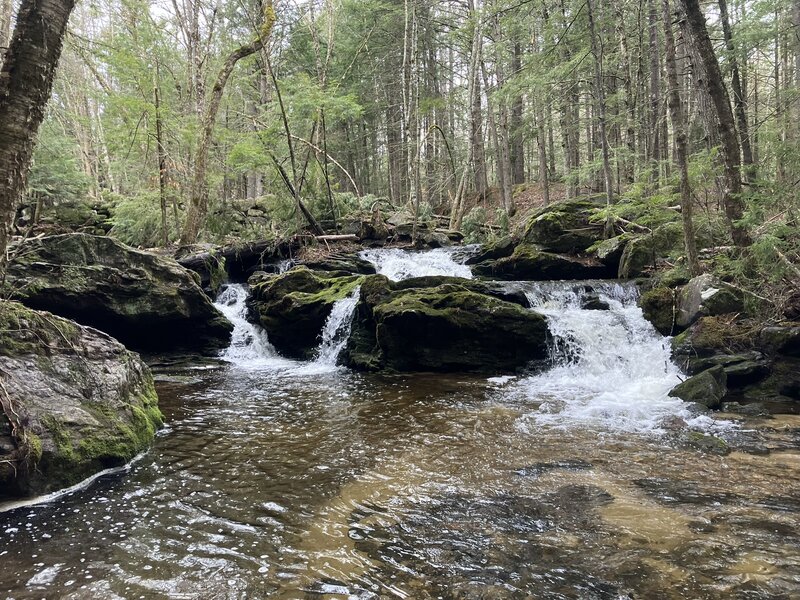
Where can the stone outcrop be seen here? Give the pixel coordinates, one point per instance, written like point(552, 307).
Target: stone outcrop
point(74, 402)
point(146, 301)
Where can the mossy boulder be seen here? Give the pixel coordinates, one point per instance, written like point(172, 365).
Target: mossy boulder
point(705, 295)
point(531, 263)
point(74, 402)
point(642, 253)
point(609, 252)
point(427, 325)
point(146, 301)
point(564, 227)
point(784, 339)
point(293, 307)
point(659, 307)
point(343, 263)
point(708, 388)
point(500, 248)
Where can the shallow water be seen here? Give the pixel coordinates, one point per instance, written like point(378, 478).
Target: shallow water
point(292, 480)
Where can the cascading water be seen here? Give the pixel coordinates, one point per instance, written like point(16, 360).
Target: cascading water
point(248, 342)
point(337, 329)
point(399, 264)
point(610, 368)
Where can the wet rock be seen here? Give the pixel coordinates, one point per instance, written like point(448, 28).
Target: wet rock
point(609, 252)
point(659, 307)
point(706, 443)
point(708, 388)
point(671, 492)
point(293, 307)
point(538, 469)
point(564, 227)
point(530, 263)
point(593, 302)
point(782, 340)
point(741, 369)
point(643, 252)
point(146, 301)
point(428, 325)
point(751, 409)
point(343, 263)
point(78, 400)
point(493, 250)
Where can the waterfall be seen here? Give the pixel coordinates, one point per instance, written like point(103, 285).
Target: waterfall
point(610, 368)
point(337, 329)
point(399, 264)
point(248, 342)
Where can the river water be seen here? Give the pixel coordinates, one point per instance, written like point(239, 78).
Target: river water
point(281, 479)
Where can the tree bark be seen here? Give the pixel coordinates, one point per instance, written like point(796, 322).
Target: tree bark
point(713, 82)
point(600, 102)
point(26, 81)
point(198, 203)
point(681, 144)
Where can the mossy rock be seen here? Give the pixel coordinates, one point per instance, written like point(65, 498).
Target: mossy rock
point(146, 301)
point(642, 253)
point(715, 335)
point(609, 252)
point(80, 402)
point(564, 227)
point(658, 307)
point(500, 248)
point(531, 263)
point(708, 388)
point(441, 324)
point(293, 307)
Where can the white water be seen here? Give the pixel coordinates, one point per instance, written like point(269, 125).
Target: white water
point(248, 342)
point(611, 369)
point(337, 329)
point(399, 264)
point(251, 349)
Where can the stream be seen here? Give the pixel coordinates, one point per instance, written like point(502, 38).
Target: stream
point(303, 480)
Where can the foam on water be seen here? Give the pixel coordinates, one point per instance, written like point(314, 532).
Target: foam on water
point(610, 368)
point(397, 264)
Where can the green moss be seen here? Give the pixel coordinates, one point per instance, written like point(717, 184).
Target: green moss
point(658, 306)
point(26, 331)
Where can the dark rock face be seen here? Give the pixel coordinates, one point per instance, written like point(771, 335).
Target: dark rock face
point(642, 252)
point(449, 326)
point(529, 263)
point(75, 401)
point(293, 307)
point(708, 388)
point(146, 301)
point(564, 227)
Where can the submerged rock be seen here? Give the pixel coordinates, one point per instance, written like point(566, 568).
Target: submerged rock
point(293, 307)
point(75, 402)
point(431, 325)
point(146, 301)
point(708, 388)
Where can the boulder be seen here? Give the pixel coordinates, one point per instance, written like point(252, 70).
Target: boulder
point(658, 307)
point(609, 252)
point(708, 388)
point(146, 301)
point(447, 326)
point(500, 248)
point(783, 340)
point(741, 369)
point(706, 296)
point(344, 263)
point(564, 227)
point(75, 402)
point(643, 252)
point(293, 307)
point(530, 263)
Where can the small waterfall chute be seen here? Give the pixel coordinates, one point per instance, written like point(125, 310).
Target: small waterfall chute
point(248, 342)
point(337, 329)
point(397, 264)
point(610, 368)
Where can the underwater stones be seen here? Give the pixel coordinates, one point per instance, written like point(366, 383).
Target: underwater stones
point(146, 301)
point(77, 400)
point(708, 388)
point(293, 307)
point(530, 263)
point(441, 324)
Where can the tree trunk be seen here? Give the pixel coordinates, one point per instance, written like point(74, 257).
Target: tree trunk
point(476, 113)
point(162, 157)
point(681, 145)
point(732, 195)
point(26, 81)
point(600, 100)
point(517, 139)
point(739, 99)
point(198, 204)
